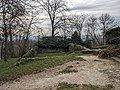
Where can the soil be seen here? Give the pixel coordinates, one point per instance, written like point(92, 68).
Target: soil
point(93, 70)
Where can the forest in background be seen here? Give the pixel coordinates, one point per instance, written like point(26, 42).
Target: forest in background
point(19, 21)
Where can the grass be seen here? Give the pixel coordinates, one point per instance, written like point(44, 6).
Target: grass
point(66, 86)
point(40, 64)
point(93, 87)
point(68, 70)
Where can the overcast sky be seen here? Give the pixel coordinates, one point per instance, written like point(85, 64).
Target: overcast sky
point(95, 7)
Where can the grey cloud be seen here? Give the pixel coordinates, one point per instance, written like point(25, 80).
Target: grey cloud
point(84, 7)
point(98, 4)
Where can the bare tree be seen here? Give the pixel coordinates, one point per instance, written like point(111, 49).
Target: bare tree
point(9, 10)
point(105, 20)
point(78, 23)
point(55, 9)
point(12, 22)
point(64, 26)
point(92, 26)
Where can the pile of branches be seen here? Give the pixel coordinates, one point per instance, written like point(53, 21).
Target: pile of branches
point(110, 51)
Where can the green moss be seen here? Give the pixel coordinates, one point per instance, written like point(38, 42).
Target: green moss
point(93, 87)
point(66, 86)
point(68, 70)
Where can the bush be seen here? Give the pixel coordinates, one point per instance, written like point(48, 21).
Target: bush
point(87, 43)
point(59, 43)
point(53, 43)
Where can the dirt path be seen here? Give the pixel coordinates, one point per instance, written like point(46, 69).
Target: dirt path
point(93, 71)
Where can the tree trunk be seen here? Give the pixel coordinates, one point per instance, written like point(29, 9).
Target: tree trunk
point(5, 34)
point(104, 31)
point(5, 48)
point(2, 49)
point(53, 30)
point(96, 39)
point(11, 45)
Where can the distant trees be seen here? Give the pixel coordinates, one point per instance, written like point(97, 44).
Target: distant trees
point(13, 26)
point(10, 13)
point(18, 19)
point(92, 25)
point(55, 9)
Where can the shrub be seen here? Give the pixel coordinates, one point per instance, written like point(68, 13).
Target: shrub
point(87, 43)
point(53, 43)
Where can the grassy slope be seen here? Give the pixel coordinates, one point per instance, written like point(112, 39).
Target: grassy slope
point(44, 61)
point(66, 86)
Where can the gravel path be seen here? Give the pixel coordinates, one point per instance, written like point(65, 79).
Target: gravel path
point(93, 71)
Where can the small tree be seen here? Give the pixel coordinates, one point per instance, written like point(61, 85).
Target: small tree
point(76, 38)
